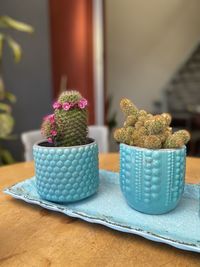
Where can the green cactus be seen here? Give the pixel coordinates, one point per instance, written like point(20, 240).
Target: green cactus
point(128, 107)
point(68, 125)
point(173, 141)
point(167, 117)
point(138, 142)
point(130, 120)
point(139, 124)
point(123, 135)
point(183, 134)
point(152, 141)
point(138, 132)
point(142, 129)
point(156, 124)
point(177, 140)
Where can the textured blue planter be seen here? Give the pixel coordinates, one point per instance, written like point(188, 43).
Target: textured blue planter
point(152, 181)
point(66, 174)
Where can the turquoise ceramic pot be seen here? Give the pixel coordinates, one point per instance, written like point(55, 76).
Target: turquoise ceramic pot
point(152, 181)
point(66, 174)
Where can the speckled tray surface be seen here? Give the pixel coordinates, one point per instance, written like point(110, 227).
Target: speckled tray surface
point(179, 228)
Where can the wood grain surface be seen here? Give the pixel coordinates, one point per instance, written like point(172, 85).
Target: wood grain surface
point(33, 236)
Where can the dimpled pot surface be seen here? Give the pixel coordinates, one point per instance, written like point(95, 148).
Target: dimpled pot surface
point(152, 181)
point(66, 174)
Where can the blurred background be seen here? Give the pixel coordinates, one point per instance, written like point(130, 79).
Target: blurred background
point(148, 51)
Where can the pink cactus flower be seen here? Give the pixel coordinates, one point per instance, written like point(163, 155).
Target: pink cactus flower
point(53, 132)
point(51, 118)
point(82, 103)
point(57, 105)
point(66, 106)
point(45, 118)
point(50, 140)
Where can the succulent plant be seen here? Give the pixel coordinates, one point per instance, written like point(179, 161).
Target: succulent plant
point(6, 122)
point(145, 130)
point(7, 98)
point(67, 126)
point(128, 107)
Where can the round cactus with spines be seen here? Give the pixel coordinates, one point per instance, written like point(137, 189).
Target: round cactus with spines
point(67, 126)
point(128, 107)
point(145, 130)
point(122, 136)
point(130, 121)
point(156, 124)
point(178, 139)
point(152, 141)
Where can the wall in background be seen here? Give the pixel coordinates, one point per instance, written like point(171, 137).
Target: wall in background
point(72, 47)
point(30, 80)
point(146, 42)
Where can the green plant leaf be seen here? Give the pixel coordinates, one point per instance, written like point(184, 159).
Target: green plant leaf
point(2, 88)
point(5, 107)
point(6, 156)
point(10, 97)
point(8, 22)
point(2, 36)
point(9, 137)
point(7, 124)
point(15, 47)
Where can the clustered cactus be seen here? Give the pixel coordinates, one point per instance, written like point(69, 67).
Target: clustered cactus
point(145, 130)
point(67, 126)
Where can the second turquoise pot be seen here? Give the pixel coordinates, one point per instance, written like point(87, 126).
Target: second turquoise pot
point(152, 181)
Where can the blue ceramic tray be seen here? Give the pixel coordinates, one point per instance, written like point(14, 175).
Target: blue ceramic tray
point(179, 228)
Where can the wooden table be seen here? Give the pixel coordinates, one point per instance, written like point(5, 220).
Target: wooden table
point(33, 236)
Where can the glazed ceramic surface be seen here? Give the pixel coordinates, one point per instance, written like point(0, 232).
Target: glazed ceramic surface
point(66, 174)
point(152, 181)
point(179, 228)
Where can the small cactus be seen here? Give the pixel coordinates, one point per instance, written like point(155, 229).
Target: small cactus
point(183, 134)
point(156, 124)
point(67, 126)
point(167, 117)
point(152, 141)
point(123, 135)
point(130, 120)
point(142, 129)
point(178, 139)
point(128, 107)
